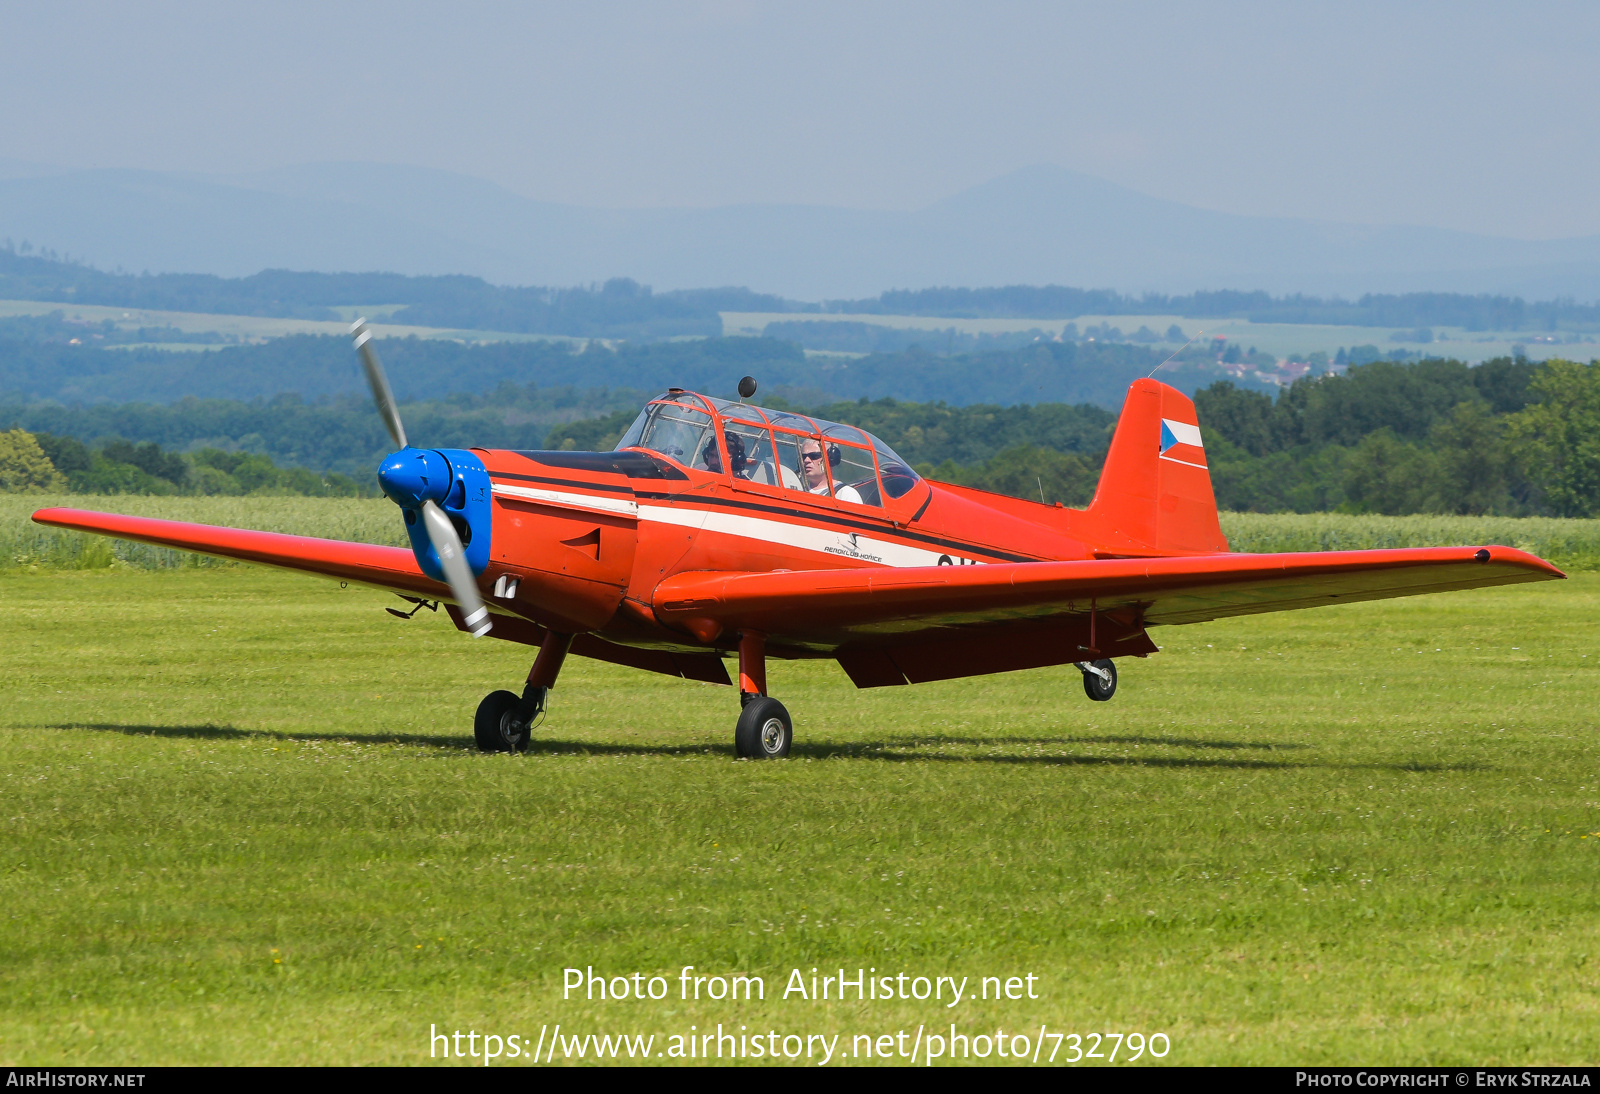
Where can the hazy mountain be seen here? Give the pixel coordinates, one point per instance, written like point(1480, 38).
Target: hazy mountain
point(1039, 225)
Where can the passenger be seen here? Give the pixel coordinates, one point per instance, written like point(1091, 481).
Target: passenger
point(817, 471)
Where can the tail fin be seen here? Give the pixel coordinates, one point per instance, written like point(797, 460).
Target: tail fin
point(1154, 496)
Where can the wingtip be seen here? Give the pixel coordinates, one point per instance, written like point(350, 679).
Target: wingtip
point(57, 515)
point(1517, 557)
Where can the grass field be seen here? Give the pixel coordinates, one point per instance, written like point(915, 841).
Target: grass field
point(1278, 339)
point(29, 547)
point(249, 328)
point(242, 823)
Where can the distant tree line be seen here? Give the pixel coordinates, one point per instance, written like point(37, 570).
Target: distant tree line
point(342, 434)
point(619, 308)
point(315, 367)
point(1510, 437)
point(1480, 312)
point(1055, 448)
point(623, 308)
point(39, 463)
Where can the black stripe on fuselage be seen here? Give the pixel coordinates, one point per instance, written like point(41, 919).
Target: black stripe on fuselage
point(581, 484)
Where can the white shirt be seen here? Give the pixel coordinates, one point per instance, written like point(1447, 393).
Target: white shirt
point(840, 491)
point(762, 472)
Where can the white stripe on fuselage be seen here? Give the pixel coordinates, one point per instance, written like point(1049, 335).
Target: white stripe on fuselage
point(562, 497)
point(805, 537)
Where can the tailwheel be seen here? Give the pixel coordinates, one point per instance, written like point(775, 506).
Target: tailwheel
point(501, 724)
point(1099, 679)
point(765, 731)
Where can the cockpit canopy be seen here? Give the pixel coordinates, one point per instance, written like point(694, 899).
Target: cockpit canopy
point(774, 448)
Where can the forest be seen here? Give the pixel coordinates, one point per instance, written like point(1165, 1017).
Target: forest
point(39, 463)
point(618, 308)
point(315, 367)
point(623, 308)
point(1510, 438)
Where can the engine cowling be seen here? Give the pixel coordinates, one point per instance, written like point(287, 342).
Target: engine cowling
point(456, 481)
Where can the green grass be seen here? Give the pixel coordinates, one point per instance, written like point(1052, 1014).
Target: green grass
point(1569, 543)
point(241, 823)
point(36, 548)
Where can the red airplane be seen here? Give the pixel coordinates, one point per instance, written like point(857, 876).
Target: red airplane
point(718, 528)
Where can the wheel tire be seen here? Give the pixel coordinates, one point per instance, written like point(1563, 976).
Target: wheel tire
point(496, 726)
point(1097, 689)
point(765, 731)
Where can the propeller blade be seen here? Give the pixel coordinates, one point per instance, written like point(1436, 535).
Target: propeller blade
point(379, 383)
point(453, 560)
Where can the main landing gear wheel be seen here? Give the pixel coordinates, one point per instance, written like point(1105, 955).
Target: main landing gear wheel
point(765, 731)
point(501, 724)
point(1100, 685)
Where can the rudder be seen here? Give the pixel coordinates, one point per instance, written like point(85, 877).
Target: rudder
point(1154, 496)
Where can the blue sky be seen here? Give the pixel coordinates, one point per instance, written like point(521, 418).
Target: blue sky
point(1480, 117)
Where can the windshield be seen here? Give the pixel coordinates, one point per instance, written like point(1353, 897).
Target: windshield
point(671, 429)
point(770, 447)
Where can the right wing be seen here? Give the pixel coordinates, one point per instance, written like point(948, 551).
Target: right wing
point(392, 568)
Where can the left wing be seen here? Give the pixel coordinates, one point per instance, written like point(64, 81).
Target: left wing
point(393, 568)
point(887, 626)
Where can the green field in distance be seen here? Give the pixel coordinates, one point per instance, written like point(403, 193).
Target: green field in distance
point(251, 328)
point(1279, 339)
point(243, 823)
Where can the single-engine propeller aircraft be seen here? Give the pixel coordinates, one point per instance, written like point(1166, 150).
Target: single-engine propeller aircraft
point(718, 528)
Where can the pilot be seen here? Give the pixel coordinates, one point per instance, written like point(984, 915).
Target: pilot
point(713, 458)
point(817, 471)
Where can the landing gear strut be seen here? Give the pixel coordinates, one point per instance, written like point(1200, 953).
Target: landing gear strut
point(504, 722)
point(764, 731)
point(1099, 679)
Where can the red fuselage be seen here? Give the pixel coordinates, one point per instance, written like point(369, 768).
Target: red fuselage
point(589, 538)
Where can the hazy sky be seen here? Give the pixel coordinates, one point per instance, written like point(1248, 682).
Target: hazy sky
point(1483, 117)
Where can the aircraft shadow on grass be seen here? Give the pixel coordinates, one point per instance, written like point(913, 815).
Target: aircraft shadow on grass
point(230, 733)
point(1170, 742)
point(902, 750)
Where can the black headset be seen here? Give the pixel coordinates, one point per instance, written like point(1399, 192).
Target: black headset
point(736, 452)
point(834, 455)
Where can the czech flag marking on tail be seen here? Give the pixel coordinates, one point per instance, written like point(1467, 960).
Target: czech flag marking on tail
point(1180, 443)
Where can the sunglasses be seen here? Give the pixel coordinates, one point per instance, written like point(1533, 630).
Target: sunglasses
point(811, 455)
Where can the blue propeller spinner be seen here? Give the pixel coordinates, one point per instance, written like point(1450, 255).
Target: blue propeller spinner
point(456, 481)
point(444, 494)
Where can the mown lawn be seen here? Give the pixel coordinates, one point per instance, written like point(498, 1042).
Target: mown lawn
point(242, 823)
